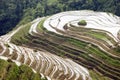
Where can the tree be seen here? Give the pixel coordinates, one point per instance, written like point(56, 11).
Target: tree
point(39, 10)
point(82, 22)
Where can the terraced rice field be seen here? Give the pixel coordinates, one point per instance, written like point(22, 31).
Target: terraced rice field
point(59, 48)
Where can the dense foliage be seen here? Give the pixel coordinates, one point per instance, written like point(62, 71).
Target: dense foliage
point(13, 12)
point(10, 71)
point(82, 22)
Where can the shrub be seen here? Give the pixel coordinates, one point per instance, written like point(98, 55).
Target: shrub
point(82, 22)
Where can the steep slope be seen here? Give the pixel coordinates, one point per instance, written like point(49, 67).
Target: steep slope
point(45, 63)
point(61, 49)
point(10, 71)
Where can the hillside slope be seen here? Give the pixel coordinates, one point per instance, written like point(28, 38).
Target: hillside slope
point(11, 71)
point(19, 12)
point(71, 45)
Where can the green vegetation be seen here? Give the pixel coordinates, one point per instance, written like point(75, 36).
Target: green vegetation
point(95, 50)
point(81, 51)
point(103, 56)
point(20, 12)
point(78, 43)
point(97, 76)
point(69, 45)
point(10, 71)
point(99, 35)
point(95, 34)
point(19, 37)
point(117, 48)
point(40, 26)
point(82, 22)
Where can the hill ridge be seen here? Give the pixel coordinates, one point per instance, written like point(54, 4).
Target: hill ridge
point(90, 46)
